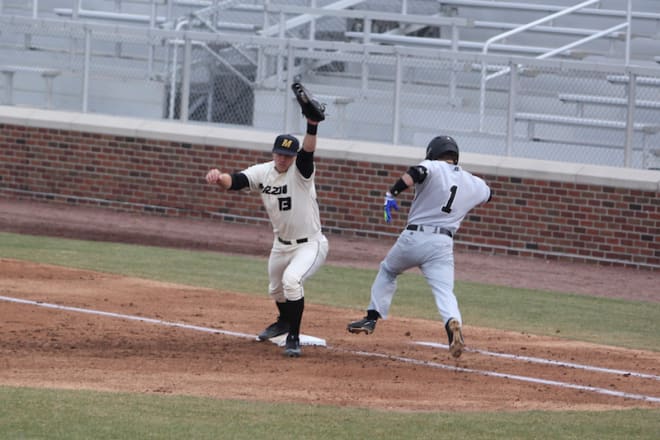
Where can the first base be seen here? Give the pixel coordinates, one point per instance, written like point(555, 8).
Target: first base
point(304, 340)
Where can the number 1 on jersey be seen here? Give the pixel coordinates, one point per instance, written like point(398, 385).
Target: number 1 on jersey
point(447, 207)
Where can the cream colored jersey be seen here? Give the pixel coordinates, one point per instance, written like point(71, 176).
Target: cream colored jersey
point(289, 199)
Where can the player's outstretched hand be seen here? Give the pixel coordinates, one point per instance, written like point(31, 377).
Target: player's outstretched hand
point(213, 176)
point(388, 206)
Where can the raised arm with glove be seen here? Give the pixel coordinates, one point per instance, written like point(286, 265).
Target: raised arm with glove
point(311, 108)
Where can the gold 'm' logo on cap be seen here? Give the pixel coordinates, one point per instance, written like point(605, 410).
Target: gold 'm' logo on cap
point(286, 143)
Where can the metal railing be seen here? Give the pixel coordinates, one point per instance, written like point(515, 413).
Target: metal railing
point(549, 18)
point(403, 91)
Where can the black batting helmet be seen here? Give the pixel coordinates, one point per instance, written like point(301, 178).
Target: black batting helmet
point(441, 145)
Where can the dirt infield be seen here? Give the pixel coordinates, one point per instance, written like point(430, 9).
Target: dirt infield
point(75, 348)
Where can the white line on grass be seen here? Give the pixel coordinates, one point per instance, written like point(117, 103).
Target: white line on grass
point(359, 353)
point(546, 361)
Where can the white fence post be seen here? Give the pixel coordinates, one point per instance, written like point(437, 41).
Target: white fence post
point(630, 119)
point(185, 79)
point(511, 110)
point(86, 67)
point(396, 117)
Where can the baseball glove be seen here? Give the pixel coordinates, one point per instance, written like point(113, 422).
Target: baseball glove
point(311, 108)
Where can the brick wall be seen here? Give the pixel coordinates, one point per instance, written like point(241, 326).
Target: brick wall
point(528, 216)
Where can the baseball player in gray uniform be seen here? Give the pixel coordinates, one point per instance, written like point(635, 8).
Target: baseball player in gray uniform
point(444, 194)
point(288, 192)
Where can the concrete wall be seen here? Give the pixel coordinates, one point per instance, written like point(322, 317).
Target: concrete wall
point(545, 209)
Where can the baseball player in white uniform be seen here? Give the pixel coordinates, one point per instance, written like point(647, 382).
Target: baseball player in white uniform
point(287, 188)
point(444, 194)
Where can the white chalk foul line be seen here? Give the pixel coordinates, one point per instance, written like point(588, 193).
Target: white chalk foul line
point(548, 361)
point(513, 377)
point(304, 339)
point(360, 353)
point(129, 317)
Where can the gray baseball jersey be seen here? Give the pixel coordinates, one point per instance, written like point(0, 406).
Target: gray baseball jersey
point(440, 204)
point(446, 195)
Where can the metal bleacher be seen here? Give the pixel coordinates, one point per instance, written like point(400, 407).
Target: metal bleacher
point(546, 79)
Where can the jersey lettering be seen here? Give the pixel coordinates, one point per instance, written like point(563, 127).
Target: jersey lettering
point(447, 207)
point(284, 203)
point(274, 190)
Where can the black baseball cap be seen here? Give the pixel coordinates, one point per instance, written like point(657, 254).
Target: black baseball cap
point(286, 144)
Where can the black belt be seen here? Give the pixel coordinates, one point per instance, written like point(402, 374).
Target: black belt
point(433, 229)
point(299, 241)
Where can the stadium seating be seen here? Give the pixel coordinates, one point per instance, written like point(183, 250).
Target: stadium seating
point(372, 97)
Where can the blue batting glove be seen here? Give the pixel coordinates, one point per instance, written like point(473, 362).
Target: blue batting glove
point(390, 203)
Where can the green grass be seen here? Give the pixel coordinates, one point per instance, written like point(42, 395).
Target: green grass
point(55, 414)
point(70, 415)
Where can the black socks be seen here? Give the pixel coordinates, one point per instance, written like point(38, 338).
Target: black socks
point(293, 312)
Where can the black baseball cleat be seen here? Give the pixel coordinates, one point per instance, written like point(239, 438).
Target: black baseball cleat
point(364, 325)
point(275, 329)
point(292, 347)
point(455, 334)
